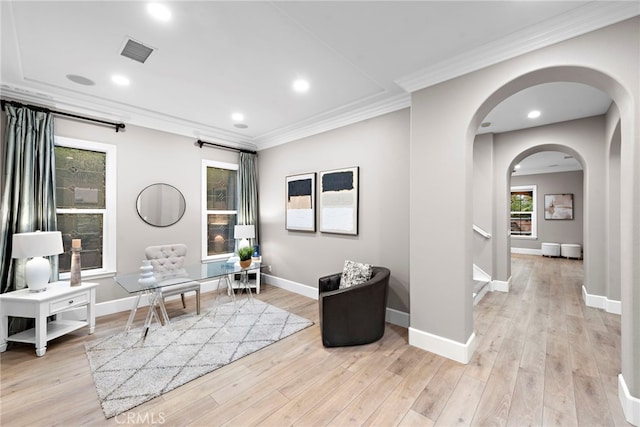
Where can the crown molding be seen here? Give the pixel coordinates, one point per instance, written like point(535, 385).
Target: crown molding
point(590, 17)
point(374, 109)
point(125, 113)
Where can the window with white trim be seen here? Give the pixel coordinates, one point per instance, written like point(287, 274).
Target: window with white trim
point(220, 209)
point(523, 211)
point(85, 204)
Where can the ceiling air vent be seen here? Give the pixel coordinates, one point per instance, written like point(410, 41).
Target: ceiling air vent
point(136, 51)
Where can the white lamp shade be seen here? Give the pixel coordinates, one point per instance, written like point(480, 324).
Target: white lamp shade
point(37, 243)
point(244, 232)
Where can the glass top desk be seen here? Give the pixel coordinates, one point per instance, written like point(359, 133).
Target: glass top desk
point(133, 284)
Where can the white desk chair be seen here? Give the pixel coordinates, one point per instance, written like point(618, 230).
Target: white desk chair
point(169, 260)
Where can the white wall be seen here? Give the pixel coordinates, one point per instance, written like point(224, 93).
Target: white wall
point(380, 147)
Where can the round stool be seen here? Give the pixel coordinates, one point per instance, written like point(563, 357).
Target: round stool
point(550, 249)
point(570, 250)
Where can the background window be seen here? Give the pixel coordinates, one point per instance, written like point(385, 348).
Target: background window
point(523, 217)
point(220, 216)
point(84, 175)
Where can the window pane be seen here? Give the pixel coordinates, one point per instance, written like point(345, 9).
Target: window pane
point(80, 178)
point(220, 234)
point(522, 201)
point(88, 228)
point(221, 189)
point(521, 224)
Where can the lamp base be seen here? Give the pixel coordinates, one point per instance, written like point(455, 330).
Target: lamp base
point(37, 273)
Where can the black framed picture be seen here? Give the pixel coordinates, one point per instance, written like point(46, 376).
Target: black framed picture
point(339, 201)
point(301, 202)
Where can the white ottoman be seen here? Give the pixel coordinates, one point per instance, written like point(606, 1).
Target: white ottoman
point(570, 250)
point(550, 249)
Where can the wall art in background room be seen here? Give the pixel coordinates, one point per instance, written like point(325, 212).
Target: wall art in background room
point(558, 206)
point(339, 201)
point(301, 201)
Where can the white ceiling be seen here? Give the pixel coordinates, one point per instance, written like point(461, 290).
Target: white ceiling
point(215, 58)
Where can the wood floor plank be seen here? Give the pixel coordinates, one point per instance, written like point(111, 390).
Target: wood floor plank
point(435, 395)
point(462, 403)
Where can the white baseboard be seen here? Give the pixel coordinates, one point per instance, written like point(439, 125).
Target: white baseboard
point(602, 302)
point(630, 404)
point(443, 346)
point(393, 316)
point(500, 285)
point(295, 287)
point(526, 251)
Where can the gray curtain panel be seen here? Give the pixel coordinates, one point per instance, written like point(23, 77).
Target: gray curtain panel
point(248, 192)
point(28, 194)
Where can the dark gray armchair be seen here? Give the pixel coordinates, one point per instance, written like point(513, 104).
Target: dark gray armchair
point(355, 315)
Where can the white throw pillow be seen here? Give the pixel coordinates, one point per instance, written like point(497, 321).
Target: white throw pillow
point(355, 273)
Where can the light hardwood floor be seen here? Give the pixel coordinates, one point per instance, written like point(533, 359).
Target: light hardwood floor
point(542, 358)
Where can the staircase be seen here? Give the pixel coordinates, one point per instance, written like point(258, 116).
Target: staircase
point(481, 284)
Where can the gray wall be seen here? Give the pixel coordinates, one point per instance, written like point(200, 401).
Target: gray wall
point(554, 231)
point(483, 201)
point(380, 147)
point(444, 118)
point(144, 157)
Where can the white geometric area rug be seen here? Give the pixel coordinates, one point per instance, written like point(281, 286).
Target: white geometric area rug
point(129, 371)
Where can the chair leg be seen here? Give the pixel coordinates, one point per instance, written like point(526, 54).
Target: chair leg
point(184, 305)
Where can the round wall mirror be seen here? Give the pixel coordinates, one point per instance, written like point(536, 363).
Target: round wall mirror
point(160, 205)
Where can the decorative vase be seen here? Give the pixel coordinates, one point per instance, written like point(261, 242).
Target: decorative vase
point(146, 274)
point(76, 269)
point(245, 263)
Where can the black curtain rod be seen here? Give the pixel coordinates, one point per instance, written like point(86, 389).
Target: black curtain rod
point(117, 126)
point(224, 147)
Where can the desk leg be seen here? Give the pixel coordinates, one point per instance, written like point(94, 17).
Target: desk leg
point(4, 333)
point(133, 312)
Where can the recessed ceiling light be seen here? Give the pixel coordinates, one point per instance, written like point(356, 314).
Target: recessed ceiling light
point(517, 166)
point(81, 80)
point(159, 11)
point(533, 114)
point(485, 124)
point(237, 117)
point(301, 85)
point(120, 80)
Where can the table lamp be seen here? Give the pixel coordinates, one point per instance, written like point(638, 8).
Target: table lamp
point(244, 232)
point(36, 245)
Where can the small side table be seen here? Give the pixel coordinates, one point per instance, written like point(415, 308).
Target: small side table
point(59, 297)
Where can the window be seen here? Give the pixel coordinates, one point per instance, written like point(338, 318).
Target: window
point(85, 203)
point(220, 209)
point(523, 211)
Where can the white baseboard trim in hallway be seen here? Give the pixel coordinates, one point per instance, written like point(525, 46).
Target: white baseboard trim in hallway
point(599, 301)
point(500, 285)
point(630, 404)
point(443, 346)
point(526, 251)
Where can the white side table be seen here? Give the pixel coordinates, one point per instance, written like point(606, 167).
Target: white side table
point(58, 297)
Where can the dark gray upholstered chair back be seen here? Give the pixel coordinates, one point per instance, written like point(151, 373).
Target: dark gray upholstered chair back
point(355, 315)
